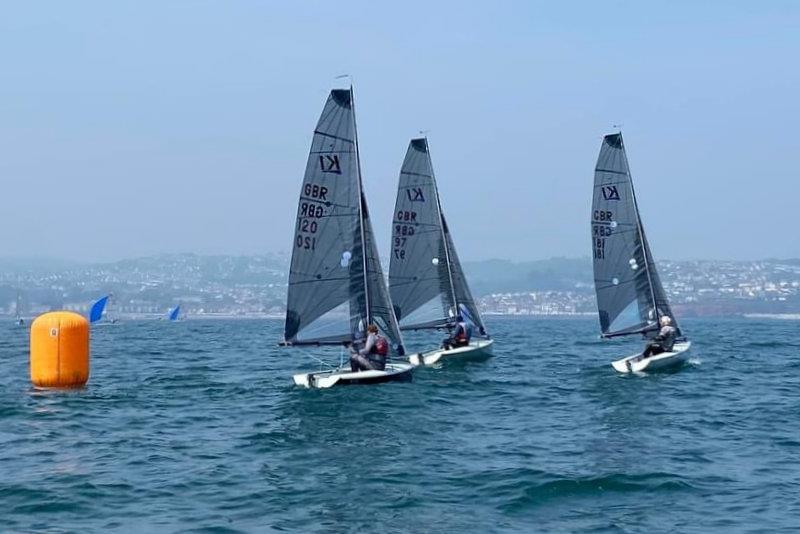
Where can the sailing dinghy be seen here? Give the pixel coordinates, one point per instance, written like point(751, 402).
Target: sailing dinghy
point(630, 297)
point(99, 312)
point(426, 282)
point(336, 284)
point(18, 310)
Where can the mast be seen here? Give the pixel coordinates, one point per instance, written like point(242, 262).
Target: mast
point(361, 211)
point(441, 227)
point(641, 233)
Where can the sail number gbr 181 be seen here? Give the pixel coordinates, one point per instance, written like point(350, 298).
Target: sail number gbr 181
point(312, 208)
point(602, 227)
point(404, 222)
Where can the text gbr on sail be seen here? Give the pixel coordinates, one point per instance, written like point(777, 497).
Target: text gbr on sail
point(602, 227)
point(403, 229)
point(315, 197)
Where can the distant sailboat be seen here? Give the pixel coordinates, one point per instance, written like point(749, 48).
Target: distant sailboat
point(99, 310)
point(426, 282)
point(630, 297)
point(174, 314)
point(336, 284)
point(18, 309)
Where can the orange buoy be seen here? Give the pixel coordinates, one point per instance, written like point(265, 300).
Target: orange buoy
point(60, 350)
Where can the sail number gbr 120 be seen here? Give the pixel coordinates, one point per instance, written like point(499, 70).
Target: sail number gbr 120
point(602, 227)
point(312, 208)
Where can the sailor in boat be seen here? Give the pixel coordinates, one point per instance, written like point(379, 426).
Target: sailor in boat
point(461, 335)
point(665, 339)
point(373, 354)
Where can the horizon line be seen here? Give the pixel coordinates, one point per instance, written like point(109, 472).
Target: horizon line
point(587, 258)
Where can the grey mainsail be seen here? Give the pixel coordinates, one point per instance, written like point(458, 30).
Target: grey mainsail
point(419, 280)
point(426, 282)
point(336, 286)
point(630, 297)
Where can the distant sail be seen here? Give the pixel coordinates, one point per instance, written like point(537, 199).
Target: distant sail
point(18, 307)
point(175, 313)
point(630, 297)
point(336, 284)
point(96, 313)
point(427, 284)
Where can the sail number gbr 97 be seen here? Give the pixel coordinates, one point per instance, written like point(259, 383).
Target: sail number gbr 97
point(312, 208)
point(602, 227)
point(403, 229)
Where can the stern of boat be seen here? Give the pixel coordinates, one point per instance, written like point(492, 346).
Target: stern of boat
point(302, 380)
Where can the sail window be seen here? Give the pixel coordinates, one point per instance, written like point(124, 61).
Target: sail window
point(627, 318)
point(435, 261)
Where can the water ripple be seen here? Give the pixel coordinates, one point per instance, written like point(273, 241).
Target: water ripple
point(196, 427)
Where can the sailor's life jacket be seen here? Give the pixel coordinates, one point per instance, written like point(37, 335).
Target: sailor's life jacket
point(381, 347)
point(666, 337)
point(463, 332)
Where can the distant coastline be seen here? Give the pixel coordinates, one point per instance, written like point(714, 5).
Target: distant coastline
point(254, 287)
point(781, 316)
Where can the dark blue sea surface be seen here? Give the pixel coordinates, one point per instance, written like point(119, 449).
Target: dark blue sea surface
point(196, 426)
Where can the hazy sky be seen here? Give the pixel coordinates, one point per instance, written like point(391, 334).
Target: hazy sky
point(132, 128)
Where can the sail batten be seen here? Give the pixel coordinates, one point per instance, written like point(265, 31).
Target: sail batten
point(630, 297)
point(425, 278)
point(335, 277)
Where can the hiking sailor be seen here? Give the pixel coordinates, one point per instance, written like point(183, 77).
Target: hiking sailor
point(373, 355)
point(461, 336)
point(665, 339)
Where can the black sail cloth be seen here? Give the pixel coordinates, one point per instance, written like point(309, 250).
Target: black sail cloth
point(336, 284)
point(630, 297)
point(426, 282)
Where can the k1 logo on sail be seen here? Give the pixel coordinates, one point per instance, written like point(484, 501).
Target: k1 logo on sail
point(330, 164)
point(415, 194)
point(610, 192)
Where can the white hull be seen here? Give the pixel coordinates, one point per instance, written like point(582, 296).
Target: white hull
point(476, 350)
point(638, 364)
point(394, 372)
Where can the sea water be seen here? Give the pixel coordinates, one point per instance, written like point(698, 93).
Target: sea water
point(196, 426)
